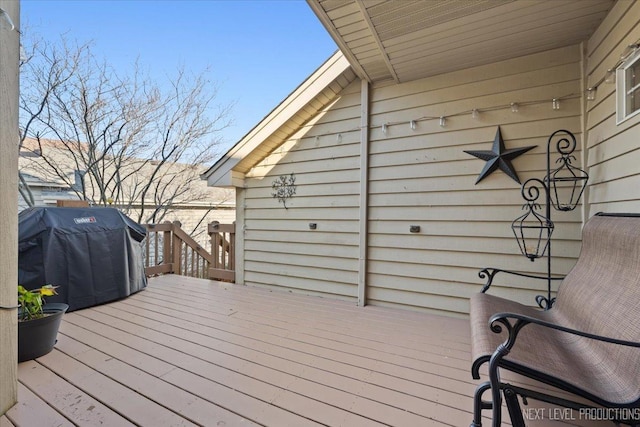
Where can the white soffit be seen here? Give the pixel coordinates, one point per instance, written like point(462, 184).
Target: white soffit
point(404, 40)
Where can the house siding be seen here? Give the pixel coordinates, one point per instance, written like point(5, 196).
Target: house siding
point(279, 247)
point(37, 198)
point(194, 218)
point(613, 155)
point(423, 177)
point(416, 177)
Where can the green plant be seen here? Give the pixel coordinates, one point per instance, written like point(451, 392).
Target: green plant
point(31, 302)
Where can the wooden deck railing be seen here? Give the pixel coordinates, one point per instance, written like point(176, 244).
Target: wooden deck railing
point(223, 237)
point(170, 250)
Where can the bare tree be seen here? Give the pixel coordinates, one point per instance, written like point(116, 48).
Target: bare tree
point(53, 70)
point(121, 140)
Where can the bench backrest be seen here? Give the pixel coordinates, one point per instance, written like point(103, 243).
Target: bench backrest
point(601, 294)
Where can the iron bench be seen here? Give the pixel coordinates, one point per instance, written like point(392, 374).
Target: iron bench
point(585, 346)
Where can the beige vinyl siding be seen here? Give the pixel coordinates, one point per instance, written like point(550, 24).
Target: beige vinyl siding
point(423, 177)
point(279, 247)
point(416, 177)
point(613, 150)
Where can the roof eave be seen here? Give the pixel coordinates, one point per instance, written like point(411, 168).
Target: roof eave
point(221, 174)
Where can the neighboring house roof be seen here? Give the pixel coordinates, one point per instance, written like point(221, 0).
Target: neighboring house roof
point(38, 173)
point(35, 181)
point(304, 103)
point(46, 192)
point(410, 40)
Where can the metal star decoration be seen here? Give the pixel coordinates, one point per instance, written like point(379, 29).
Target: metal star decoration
point(499, 158)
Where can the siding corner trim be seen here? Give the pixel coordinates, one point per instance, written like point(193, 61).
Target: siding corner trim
point(364, 193)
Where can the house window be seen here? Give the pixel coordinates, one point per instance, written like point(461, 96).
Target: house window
point(628, 88)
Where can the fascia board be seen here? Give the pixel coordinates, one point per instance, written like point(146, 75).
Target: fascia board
point(301, 96)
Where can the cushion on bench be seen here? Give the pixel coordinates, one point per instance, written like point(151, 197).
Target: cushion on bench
point(601, 295)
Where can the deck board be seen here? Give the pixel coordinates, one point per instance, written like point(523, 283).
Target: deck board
point(297, 341)
point(33, 411)
point(195, 352)
point(72, 402)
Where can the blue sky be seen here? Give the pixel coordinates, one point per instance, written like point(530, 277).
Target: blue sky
point(258, 51)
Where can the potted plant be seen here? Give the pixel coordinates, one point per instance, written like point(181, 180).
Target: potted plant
point(37, 322)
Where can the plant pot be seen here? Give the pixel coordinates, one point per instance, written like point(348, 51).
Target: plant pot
point(38, 336)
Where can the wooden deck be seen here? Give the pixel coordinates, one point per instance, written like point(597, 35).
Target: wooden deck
point(195, 352)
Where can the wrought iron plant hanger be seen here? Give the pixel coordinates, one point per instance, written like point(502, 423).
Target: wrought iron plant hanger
point(563, 188)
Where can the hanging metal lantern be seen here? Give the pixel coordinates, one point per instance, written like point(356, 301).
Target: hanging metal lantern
point(532, 230)
point(566, 183)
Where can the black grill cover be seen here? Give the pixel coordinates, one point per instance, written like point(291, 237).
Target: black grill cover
point(95, 255)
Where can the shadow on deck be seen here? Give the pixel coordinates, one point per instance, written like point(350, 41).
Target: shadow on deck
point(196, 352)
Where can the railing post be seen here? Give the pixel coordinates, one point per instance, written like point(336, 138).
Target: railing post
point(222, 251)
point(147, 255)
point(215, 243)
point(167, 257)
point(177, 250)
point(232, 248)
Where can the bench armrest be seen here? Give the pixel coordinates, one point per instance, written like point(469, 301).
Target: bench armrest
point(514, 323)
point(502, 319)
point(490, 272)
